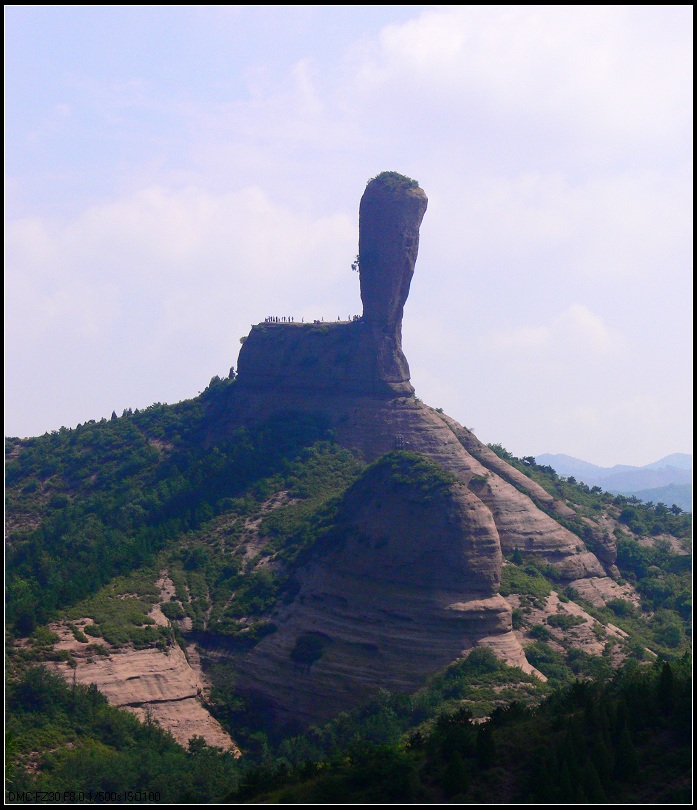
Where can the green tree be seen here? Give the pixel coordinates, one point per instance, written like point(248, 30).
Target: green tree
point(455, 777)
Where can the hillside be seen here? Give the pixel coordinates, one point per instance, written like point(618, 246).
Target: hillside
point(306, 566)
point(233, 554)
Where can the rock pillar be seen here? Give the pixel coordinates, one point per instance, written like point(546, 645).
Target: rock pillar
point(390, 214)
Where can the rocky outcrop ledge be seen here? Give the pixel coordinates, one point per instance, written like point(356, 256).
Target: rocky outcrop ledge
point(363, 356)
point(403, 586)
point(162, 686)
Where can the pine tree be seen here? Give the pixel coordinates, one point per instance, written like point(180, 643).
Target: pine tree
point(666, 690)
point(602, 760)
point(592, 785)
point(455, 778)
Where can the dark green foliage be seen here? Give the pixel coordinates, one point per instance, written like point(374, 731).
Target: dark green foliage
point(486, 747)
point(662, 577)
point(621, 607)
point(564, 621)
point(424, 479)
point(481, 661)
point(309, 647)
point(455, 778)
point(173, 610)
point(79, 635)
point(395, 180)
point(591, 742)
point(89, 745)
point(517, 618)
point(539, 631)
point(112, 494)
point(549, 662)
point(626, 758)
point(99, 511)
point(516, 580)
point(93, 630)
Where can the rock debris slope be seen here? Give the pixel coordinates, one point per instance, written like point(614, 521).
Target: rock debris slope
point(413, 583)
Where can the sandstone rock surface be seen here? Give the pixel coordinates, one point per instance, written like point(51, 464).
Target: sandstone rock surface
point(363, 356)
point(156, 685)
point(405, 584)
point(373, 426)
point(390, 214)
point(413, 585)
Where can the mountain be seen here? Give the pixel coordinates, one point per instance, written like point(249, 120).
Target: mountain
point(569, 465)
point(622, 478)
point(680, 461)
point(306, 565)
point(357, 376)
point(674, 494)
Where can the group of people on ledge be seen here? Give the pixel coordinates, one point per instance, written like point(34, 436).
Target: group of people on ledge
point(291, 319)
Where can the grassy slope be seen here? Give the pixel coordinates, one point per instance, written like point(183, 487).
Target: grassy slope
point(96, 512)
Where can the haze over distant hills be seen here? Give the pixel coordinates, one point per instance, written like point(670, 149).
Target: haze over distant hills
point(668, 480)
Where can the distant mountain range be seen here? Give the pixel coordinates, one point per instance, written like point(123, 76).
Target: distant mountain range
point(668, 480)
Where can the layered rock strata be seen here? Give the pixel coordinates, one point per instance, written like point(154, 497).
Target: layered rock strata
point(404, 584)
point(414, 585)
point(372, 426)
point(156, 685)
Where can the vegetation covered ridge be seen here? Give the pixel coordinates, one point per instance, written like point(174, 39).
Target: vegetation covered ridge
point(625, 739)
point(98, 513)
point(103, 499)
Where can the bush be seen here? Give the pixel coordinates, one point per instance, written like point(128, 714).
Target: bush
point(549, 662)
point(93, 630)
point(43, 637)
point(667, 628)
point(480, 661)
point(621, 607)
point(539, 631)
point(514, 580)
point(309, 647)
point(564, 621)
point(173, 610)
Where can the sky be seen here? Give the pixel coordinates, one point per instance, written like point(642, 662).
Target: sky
point(174, 174)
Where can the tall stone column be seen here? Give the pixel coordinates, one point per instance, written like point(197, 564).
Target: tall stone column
point(391, 210)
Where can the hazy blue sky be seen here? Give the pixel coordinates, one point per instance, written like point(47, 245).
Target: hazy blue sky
point(176, 173)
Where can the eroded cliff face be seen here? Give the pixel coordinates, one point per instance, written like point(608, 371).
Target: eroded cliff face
point(347, 357)
point(411, 583)
point(363, 356)
point(404, 583)
point(522, 511)
point(162, 685)
point(390, 215)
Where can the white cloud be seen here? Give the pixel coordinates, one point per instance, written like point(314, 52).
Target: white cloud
point(575, 335)
point(554, 144)
point(161, 285)
point(592, 67)
point(575, 342)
